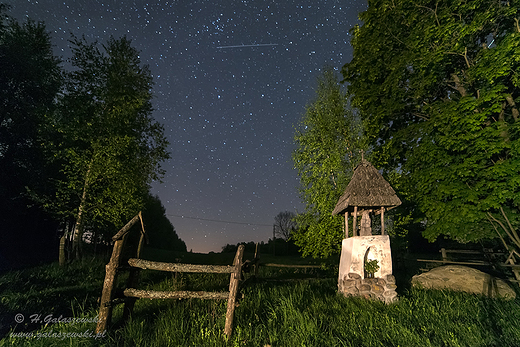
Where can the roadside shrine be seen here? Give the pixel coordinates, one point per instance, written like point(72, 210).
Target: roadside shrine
point(365, 267)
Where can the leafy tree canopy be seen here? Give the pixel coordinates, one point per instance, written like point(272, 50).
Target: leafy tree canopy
point(327, 142)
point(437, 86)
point(79, 144)
point(108, 144)
point(30, 79)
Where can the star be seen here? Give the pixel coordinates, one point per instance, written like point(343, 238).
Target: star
point(232, 79)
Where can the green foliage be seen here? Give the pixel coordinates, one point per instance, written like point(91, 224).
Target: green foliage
point(437, 87)
point(30, 79)
point(108, 144)
point(29, 82)
point(371, 266)
point(77, 145)
point(327, 149)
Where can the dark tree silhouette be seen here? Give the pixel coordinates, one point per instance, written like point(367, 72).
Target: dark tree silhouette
point(284, 224)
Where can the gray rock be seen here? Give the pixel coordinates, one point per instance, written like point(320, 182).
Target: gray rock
point(390, 297)
point(391, 287)
point(354, 276)
point(465, 279)
point(349, 283)
point(380, 281)
point(390, 279)
point(364, 288)
point(352, 291)
point(377, 288)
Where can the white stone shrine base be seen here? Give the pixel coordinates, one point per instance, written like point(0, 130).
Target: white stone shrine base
point(354, 249)
point(351, 279)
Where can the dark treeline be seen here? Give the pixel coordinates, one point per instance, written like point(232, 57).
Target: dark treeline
point(78, 149)
point(278, 246)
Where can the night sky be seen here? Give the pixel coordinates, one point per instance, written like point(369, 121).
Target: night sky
point(229, 111)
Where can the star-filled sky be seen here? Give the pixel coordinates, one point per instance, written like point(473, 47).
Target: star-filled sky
point(232, 79)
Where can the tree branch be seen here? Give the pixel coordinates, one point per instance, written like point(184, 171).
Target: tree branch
point(494, 226)
point(458, 85)
point(505, 229)
point(512, 103)
point(466, 57)
point(502, 123)
point(420, 116)
point(434, 12)
point(333, 179)
point(509, 224)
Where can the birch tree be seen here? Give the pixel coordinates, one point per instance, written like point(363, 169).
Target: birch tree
point(328, 141)
point(109, 145)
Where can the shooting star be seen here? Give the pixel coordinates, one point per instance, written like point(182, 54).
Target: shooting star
point(242, 46)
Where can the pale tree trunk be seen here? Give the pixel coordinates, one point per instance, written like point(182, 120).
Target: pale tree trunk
point(64, 242)
point(78, 229)
point(62, 256)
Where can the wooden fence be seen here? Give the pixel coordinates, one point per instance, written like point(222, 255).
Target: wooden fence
point(491, 259)
point(131, 294)
point(256, 263)
point(445, 260)
point(470, 257)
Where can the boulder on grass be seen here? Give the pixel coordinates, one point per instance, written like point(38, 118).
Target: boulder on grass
point(465, 279)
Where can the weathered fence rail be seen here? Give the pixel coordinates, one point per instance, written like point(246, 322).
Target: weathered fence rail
point(257, 263)
point(490, 255)
point(292, 266)
point(176, 267)
point(152, 294)
point(445, 259)
point(131, 294)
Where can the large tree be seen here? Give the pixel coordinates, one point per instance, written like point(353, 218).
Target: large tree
point(437, 86)
point(327, 150)
point(110, 147)
point(30, 79)
point(284, 224)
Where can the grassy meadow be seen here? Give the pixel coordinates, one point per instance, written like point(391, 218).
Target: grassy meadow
point(282, 307)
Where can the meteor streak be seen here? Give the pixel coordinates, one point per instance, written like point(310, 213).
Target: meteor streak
point(242, 46)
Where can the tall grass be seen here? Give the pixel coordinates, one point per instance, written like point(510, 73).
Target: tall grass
point(272, 312)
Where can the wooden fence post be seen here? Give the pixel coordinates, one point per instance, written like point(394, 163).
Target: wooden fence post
point(256, 260)
point(107, 302)
point(233, 288)
point(105, 309)
point(133, 277)
point(128, 309)
point(444, 255)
